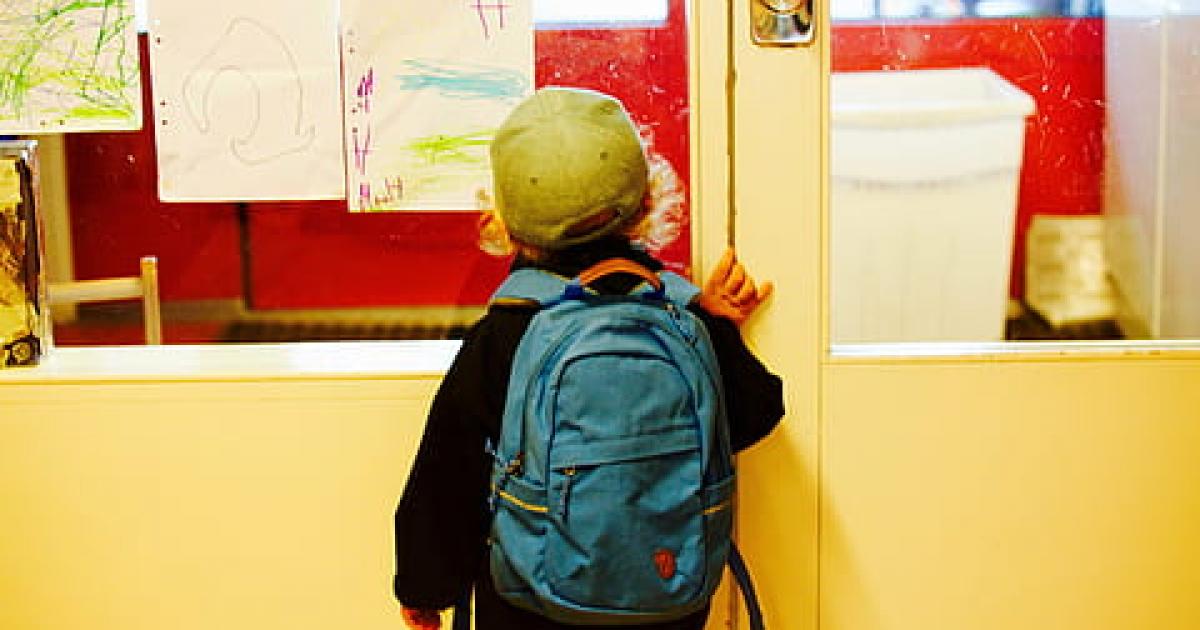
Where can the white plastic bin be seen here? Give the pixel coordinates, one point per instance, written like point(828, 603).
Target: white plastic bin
point(925, 166)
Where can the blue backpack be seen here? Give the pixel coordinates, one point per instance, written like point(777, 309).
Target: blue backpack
point(614, 477)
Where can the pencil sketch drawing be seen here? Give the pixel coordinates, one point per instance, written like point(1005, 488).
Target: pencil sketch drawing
point(247, 56)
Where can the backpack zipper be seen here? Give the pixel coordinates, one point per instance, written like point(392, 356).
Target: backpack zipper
point(524, 505)
point(677, 320)
point(569, 473)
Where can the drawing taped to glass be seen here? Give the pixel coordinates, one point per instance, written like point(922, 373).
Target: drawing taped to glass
point(67, 65)
point(462, 81)
point(266, 137)
point(247, 101)
point(427, 84)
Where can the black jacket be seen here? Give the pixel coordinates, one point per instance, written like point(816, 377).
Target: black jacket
point(442, 519)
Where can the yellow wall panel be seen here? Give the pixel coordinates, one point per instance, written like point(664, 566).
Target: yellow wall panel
point(1057, 494)
point(239, 505)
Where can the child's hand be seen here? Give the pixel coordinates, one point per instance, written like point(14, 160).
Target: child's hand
point(422, 618)
point(730, 292)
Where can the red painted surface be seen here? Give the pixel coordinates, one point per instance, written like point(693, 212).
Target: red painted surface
point(1058, 61)
point(84, 333)
point(116, 217)
point(316, 255)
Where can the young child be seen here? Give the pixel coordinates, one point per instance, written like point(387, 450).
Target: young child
point(573, 187)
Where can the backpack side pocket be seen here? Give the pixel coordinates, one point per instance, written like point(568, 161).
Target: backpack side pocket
point(518, 529)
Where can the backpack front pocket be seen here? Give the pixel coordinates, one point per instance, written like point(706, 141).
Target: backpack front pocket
point(626, 525)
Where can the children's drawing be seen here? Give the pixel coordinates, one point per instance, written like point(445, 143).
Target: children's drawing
point(68, 65)
point(247, 103)
point(454, 81)
point(426, 85)
point(283, 131)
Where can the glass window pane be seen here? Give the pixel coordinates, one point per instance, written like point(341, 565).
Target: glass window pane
point(1014, 169)
point(281, 271)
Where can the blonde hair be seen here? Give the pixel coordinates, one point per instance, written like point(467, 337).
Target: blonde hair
point(658, 225)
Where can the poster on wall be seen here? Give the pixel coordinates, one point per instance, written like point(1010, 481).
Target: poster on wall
point(426, 85)
point(69, 66)
point(247, 102)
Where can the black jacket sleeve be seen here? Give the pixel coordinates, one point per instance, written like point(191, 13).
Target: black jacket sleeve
point(753, 395)
point(441, 521)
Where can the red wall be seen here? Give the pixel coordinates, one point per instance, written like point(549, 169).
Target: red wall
point(315, 254)
point(1058, 61)
point(116, 217)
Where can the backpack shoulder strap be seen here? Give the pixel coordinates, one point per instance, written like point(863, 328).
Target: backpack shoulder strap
point(530, 286)
point(678, 289)
point(540, 287)
point(737, 566)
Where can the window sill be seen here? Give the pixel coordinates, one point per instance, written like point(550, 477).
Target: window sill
point(241, 362)
point(1019, 351)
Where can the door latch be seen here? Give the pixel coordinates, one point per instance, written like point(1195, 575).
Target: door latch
point(782, 22)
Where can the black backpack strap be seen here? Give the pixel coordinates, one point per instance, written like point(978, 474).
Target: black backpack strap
point(737, 565)
point(462, 613)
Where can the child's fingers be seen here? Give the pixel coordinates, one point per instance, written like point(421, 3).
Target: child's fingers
point(765, 291)
point(721, 271)
point(422, 619)
point(731, 292)
point(746, 294)
point(735, 280)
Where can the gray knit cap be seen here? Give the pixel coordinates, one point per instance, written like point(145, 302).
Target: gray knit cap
point(568, 168)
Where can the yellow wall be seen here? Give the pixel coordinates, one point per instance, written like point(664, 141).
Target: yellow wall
point(1002, 495)
point(256, 504)
point(955, 494)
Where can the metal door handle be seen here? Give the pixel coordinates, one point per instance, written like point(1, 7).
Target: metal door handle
point(782, 22)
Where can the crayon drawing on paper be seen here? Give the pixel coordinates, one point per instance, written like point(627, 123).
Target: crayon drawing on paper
point(68, 65)
point(247, 100)
point(427, 83)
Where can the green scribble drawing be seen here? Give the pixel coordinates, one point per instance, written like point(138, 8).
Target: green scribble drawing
point(68, 65)
point(469, 148)
point(433, 171)
point(441, 166)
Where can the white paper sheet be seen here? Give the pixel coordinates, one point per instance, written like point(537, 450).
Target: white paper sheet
point(427, 83)
point(68, 66)
point(247, 99)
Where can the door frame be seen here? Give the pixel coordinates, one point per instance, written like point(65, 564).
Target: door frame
point(757, 169)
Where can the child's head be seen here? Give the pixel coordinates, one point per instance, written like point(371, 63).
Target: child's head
point(569, 168)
